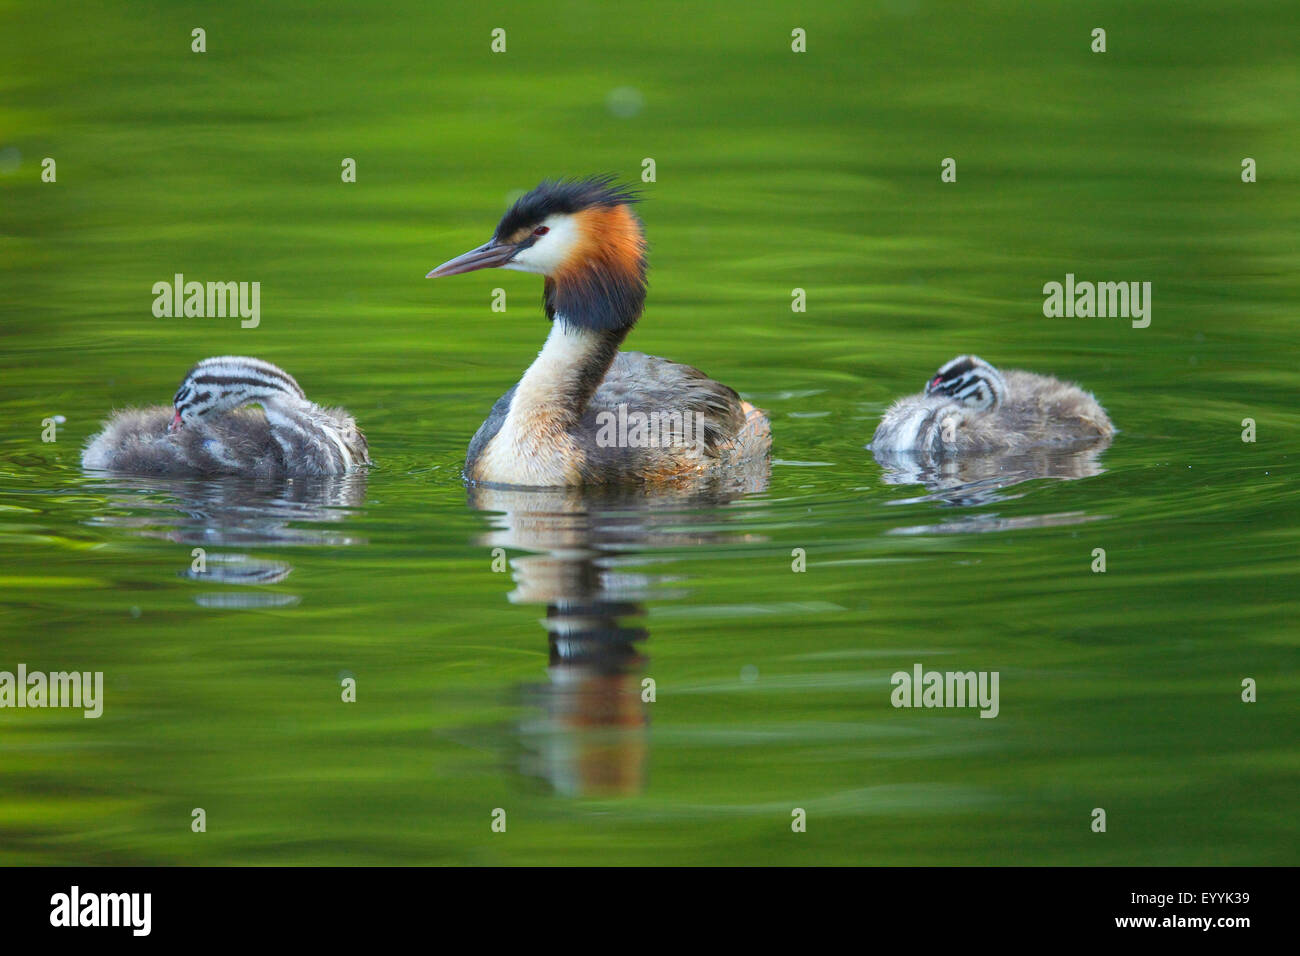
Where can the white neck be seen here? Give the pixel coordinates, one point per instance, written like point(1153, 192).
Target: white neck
point(554, 374)
point(535, 445)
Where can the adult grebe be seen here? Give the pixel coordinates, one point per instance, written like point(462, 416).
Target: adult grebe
point(971, 406)
point(208, 432)
point(584, 412)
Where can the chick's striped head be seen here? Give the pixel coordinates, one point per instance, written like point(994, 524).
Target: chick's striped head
point(971, 381)
point(227, 382)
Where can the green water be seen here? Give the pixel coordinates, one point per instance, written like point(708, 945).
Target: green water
point(1118, 690)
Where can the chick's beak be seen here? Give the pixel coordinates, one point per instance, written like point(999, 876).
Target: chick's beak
point(486, 256)
point(175, 426)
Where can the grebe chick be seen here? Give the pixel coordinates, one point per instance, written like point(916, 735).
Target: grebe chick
point(970, 406)
point(577, 415)
point(209, 432)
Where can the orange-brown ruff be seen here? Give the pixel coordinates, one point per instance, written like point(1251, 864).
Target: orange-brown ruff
point(610, 240)
point(572, 418)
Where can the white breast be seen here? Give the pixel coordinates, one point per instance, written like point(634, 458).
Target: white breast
point(533, 446)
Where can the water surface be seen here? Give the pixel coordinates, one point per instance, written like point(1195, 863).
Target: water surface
point(500, 643)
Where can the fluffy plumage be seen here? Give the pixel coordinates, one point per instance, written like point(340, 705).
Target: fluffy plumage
point(207, 432)
point(1028, 410)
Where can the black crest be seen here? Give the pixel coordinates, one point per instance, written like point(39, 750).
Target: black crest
point(563, 196)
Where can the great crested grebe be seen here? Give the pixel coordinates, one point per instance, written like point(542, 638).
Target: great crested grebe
point(970, 406)
point(585, 413)
point(208, 432)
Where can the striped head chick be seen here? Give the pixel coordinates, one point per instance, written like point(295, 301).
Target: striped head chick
point(972, 382)
point(312, 440)
point(227, 382)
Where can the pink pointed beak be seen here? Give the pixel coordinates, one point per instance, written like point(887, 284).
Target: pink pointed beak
point(176, 424)
point(487, 256)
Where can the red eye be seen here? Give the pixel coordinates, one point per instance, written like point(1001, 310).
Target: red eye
point(541, 230)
